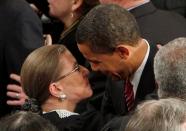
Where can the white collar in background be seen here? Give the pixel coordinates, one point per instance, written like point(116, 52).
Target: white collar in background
point(137, 75)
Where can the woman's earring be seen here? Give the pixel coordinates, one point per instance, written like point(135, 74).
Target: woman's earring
point(62, 96)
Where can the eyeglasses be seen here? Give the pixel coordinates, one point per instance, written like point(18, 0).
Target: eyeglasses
point(76, 68)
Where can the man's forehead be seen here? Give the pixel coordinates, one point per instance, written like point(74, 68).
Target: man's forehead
point(85, 49)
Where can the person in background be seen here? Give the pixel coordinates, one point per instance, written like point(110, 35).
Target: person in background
point(178, 6)
point(170, 69)
point(70, 13)
point(162, 115)
point(51, 25)
point(58, 84)
point(21, 33)
point(157, 26)
point(25, 121)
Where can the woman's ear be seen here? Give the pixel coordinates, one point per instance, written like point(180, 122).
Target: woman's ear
point(76, 4)
point(54, 89)
point(122, 51)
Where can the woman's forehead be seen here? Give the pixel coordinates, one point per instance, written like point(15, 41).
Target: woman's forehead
point(67, 58)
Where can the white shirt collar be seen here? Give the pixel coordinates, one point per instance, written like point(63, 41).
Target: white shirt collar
point(62, 113)
point(146, 1)
point(137, 75)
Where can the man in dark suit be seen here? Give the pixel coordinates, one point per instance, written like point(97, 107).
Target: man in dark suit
point(169, 70)
point(145, 88)
point(156, 25)
point(111, 42)
point(20, 33)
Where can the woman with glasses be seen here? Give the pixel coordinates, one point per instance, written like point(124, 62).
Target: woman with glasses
point(55, 84)
point(70, 13)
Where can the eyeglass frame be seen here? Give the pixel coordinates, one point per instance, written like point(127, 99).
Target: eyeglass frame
point(76, 68)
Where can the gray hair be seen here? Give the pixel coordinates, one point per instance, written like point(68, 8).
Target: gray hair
point(25, 121)
point(170, 69)
point(106, 26)
point(162, 115)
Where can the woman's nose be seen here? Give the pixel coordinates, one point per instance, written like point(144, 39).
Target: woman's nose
point(85, 71)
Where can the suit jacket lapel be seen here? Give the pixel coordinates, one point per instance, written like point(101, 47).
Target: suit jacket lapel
point(147, 81)
point(117, 91)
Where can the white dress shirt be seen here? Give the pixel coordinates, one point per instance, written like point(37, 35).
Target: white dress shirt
point(137, 75)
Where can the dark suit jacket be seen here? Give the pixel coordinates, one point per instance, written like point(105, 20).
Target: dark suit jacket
point(83, 122)
point(178, 6)
point(68, 38)
point(114, 103)
point(71, 123)
point(159, 26)
point(20, 33)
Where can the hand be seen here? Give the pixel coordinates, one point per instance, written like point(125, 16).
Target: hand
point(33, 6)
point(159, 46)
point(47, 39)
point(16, 92)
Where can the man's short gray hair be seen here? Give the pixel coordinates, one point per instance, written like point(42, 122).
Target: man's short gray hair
point(170, 69)
point(159, 115)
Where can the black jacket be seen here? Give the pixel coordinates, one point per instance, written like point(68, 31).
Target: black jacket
point(20, 33)
point(114, 103)
point(159, 26)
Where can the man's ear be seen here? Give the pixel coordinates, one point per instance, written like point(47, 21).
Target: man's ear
point(54, 89)
point(184, 124)
point(76, 4)
point(122, 51)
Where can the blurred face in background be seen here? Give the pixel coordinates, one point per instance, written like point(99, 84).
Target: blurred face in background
point(60, 8)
